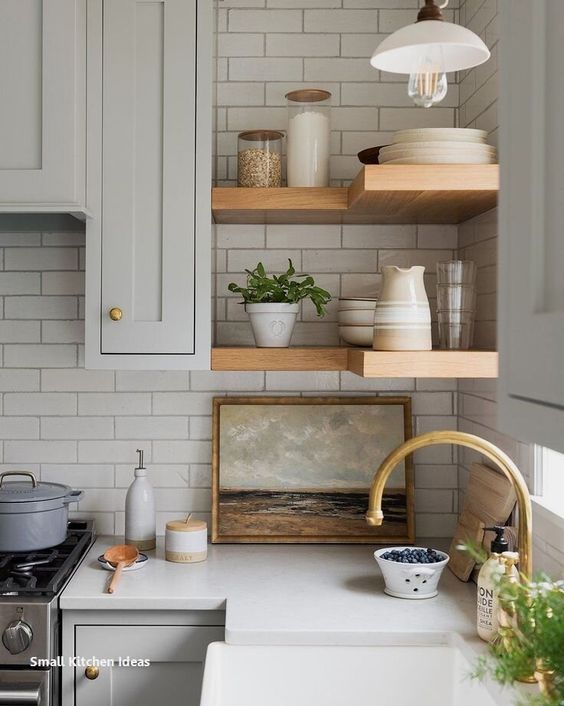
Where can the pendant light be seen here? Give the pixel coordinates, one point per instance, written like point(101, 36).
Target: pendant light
point(426, 50)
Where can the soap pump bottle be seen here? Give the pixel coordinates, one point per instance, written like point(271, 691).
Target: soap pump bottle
point(140, 518)
point(488, 586)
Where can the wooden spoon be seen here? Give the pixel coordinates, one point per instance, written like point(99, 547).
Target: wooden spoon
point(120, 556)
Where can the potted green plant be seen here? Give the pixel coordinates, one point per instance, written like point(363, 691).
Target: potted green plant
point(272, 303)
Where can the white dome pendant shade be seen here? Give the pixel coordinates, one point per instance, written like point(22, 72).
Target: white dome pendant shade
point(428, 49)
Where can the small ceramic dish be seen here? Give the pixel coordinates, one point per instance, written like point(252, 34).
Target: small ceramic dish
point(357, 335)
point(356, 317)
point(354, 304)
point(139, 564)
point(412, 581)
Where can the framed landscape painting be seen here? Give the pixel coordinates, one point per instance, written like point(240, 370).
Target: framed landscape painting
point(299, 469)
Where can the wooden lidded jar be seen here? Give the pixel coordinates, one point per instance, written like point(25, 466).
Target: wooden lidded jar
point(186, 541)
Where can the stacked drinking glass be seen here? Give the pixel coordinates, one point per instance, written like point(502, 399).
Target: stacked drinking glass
point(456, 303)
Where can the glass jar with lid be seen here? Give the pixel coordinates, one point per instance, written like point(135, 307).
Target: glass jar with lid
point(259, 158)
point(309, 137)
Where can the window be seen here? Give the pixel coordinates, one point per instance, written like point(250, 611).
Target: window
point(549, 479)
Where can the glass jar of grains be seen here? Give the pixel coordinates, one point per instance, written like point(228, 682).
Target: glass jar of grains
point(259, 161)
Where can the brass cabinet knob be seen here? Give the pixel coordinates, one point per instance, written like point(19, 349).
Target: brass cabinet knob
point(92, 672)
point(115, 313)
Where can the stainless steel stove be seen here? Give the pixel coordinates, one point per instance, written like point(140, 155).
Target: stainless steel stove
point(30, 622)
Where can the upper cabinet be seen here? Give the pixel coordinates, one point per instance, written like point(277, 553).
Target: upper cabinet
point(148, 264)
point(532, 218)
point(42, 121)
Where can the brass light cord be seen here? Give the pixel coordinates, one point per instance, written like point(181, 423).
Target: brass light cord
point(374, 516)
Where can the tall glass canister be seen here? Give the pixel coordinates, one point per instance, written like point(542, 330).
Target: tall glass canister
point(309, 137)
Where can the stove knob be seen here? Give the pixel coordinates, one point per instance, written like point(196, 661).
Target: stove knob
point(17, 637)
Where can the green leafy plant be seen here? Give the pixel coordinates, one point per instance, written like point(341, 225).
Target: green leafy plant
point(531, 639)
point(536, 642)
point(287, 288)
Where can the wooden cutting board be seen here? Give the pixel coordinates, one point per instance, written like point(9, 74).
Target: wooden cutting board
point(489, 500)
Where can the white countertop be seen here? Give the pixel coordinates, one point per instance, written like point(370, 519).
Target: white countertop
point(282, 594)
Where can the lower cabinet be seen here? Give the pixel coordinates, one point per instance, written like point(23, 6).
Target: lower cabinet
point(137, 663)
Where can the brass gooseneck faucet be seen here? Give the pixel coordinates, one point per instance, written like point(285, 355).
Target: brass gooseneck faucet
point(374, 516)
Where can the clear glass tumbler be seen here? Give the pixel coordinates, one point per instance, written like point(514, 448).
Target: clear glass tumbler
point(456, 303)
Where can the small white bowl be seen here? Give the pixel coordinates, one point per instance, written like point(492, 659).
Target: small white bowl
point(346, 304)
point(412, 581)
point(356, 317)
point(357, 335)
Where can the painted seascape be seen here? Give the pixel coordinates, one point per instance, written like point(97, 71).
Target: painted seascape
point(304, 471)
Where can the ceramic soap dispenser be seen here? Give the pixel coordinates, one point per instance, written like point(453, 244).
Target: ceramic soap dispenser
point(140, 519)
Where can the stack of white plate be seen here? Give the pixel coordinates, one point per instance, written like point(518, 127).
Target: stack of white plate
point(356, 320)
point(439, 145)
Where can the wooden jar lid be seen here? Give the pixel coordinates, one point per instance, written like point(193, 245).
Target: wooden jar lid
point(183, 526)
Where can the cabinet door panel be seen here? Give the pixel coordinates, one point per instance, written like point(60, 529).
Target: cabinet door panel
point(42, 45)
point(531, 218)
point(174, 676)
point(148, 176)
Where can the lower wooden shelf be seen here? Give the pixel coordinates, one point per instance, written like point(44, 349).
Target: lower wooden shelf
point(364, 362)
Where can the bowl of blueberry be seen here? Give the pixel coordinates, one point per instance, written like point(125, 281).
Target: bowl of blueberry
point(411, 572)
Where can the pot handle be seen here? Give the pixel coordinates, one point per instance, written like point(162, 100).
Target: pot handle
point(19, 473)
point(73, 497)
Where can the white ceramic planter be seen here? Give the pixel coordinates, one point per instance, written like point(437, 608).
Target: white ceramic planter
point(272, 324)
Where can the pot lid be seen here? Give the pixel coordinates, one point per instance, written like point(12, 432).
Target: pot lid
point(30, 490)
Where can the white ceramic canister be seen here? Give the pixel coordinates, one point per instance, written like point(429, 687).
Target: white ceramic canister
point(186, 541)
point(402, 319)
point(308, 141)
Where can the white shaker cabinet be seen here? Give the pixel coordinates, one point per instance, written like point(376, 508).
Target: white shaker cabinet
point(42, 119)
point(143, 661)
point(148, 264)
point(531, 254)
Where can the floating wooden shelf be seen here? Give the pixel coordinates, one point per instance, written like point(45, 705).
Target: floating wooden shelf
point(363, 362)
point(311, 359)
point(423, 364)
point(426, 193)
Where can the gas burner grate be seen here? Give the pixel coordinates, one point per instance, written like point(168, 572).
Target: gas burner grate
point(45, 571)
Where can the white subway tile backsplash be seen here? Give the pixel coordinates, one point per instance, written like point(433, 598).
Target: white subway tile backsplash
point(307, 236)
point(77, 428)
point(114, 403)
point(182, 451)
point(246, 44)
point(182, 403)
point(20, 331)
point(160, 475)
point(119, 451)
point(19, 428)
point(78, 380)
point(302, 45)
point(79, 475)
point(31, 451)
point(40, 403)
point(18, 380)
point(265, 21)
point(39, 356)
point(20, 283)
point(152, 427)
point(151, 380)
point(267, 69)
point(343, 69)
point(341, 21)
point(30, 259)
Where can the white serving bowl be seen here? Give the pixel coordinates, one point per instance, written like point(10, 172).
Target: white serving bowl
point(356, 317)
point(412, 581)
point(357, 335)
point(346, 303)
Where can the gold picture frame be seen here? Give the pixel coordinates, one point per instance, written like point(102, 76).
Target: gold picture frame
point(298, 469)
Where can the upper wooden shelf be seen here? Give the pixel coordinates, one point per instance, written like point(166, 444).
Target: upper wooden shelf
point(422, 193)
point(364, 362)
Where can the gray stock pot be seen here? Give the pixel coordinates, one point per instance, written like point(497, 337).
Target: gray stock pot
point(33, 515)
